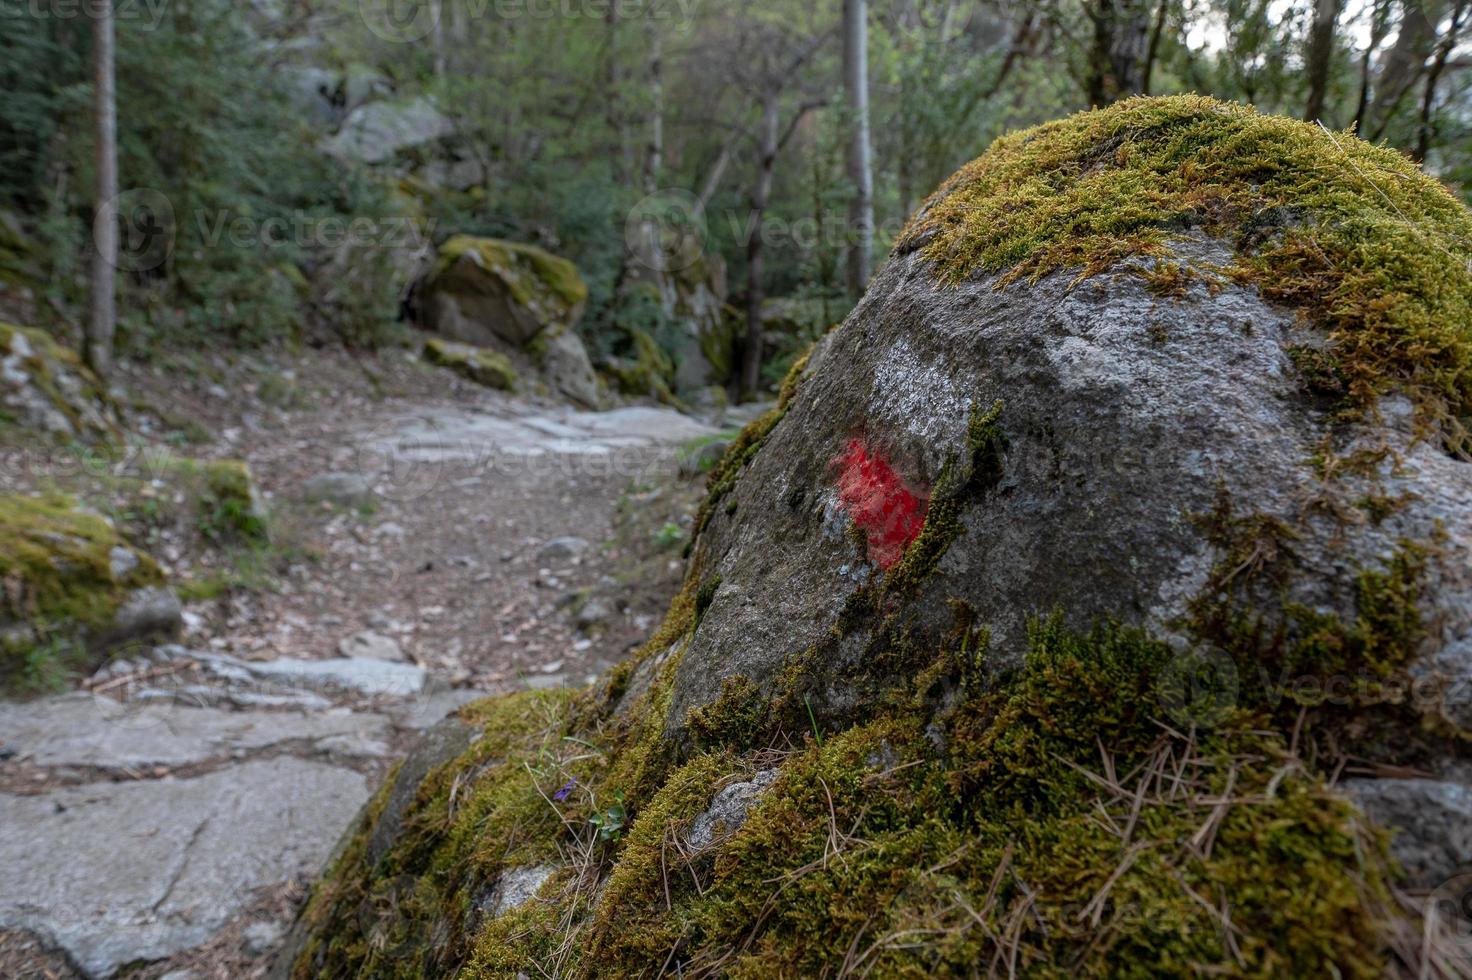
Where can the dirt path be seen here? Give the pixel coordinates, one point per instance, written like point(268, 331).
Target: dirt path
point(168, 813)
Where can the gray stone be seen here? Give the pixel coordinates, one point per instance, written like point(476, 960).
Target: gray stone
point(727, 812)
point(121, 562)
point(118, 872)
point(515, 888)
point(44, 388)
point(568, 369)
point(350, 675)
point(371, 646)
point(262, 937)
point(149, 613)
point(597, 611)
point(87, 731)
point(562, 550)
point(1431, 823)
point(375, 132)
point(430, 709)
point(1115, 439)
point(343, 489)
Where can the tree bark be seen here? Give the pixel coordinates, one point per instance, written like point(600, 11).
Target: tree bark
point(1117, 59)
point(1320, 54)
point(102, 322)
point(1404, 63)
point(654, 157)
point(1444, 48)
point(761, 192)
point(860, 153)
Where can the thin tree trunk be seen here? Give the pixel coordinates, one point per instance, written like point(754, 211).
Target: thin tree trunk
point(1404, 63)
point(1153, 51)
point(751, 359)
point(1379, 27)
point(1117, 60)
point(1444, 49)
point(436, 10)
point(860, 155)
point(654, 158)
point(102, 322)
point(1320, 54)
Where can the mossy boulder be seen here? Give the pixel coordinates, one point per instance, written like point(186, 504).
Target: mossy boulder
point(691, 302)
point(70, 589)
point(483, 291)
point(1032, 630)
point(515, 299)
point(484, 367)
point(45, 387)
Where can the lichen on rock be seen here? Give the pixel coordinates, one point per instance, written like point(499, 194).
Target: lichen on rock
point(484, 367)
point(1091, 718)
point(44, 387)
point(70, 588)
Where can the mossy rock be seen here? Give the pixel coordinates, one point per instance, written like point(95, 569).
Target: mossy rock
point(229, 508)
point(484, 367)
point(45, 387)
point(67, 580)
point(1028, 633)
point(483, 290)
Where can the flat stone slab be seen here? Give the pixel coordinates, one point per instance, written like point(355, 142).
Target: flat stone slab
point(355, 675)
point(460, 434)
point(117, 872)
point(84, 730)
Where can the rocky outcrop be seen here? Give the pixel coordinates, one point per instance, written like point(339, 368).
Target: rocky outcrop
point(517, 300)
point(1035, 626)
point(692, 302)
point(70, 590)
point(44, 387)
point(377, 132)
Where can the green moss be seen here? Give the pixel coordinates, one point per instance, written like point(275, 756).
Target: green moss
point(485, 367)
point(57, 588)
point(962, 479)
point(1356, 236)
point(45, 359)
point(648, 372)
point(532, 275)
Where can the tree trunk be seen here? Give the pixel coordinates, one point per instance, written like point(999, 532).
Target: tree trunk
point(1404, 63)
point(1444, 49)
point(1320, 54)
point(1153, 51)
point(751, 359)
point(1379, 27)
point(103, 319)
point(654, 158)
point(860, 155)
point(1117, 60)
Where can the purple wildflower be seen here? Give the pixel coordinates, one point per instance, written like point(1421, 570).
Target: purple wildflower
point(565, 791)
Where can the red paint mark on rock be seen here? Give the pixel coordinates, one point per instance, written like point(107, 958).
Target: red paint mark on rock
point(880, 503)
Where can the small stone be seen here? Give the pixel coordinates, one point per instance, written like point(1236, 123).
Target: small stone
point(262, 937)
point(121, 562)
point(563, 549)
point(343, 489)
point(373, 646)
